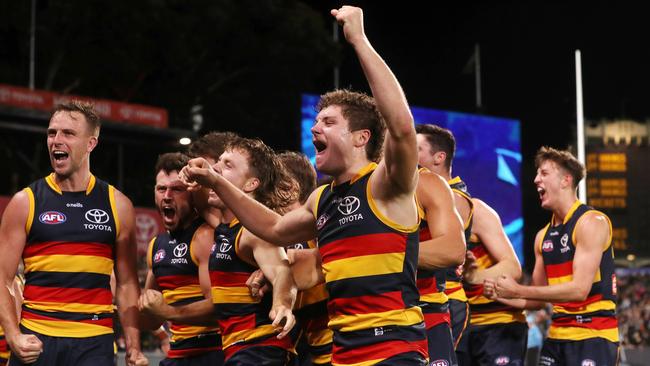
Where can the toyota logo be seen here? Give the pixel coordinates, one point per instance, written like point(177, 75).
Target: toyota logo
point(225, 245)
point(180, 250)
point(349, 205)
point(97, 216)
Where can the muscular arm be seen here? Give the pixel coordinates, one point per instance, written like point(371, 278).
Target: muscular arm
point(296, 226)
point(487, 227)
point(592, 234)
point(397, 172)
point(128, 289)
point(201, 247)
point(13, 236)
point(306, 267)
point(446, 248)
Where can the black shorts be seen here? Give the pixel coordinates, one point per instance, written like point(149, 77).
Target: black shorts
point(212, 358)
point(588, 352)
point(496, 344)
point(404, 359)
point(459, 313)
point(441, 346)
point(64, 351)
point(259, 356)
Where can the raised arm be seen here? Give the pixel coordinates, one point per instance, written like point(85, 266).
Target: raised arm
point(296, 226)
point(273, 262)
point(13, 235)
point(399, 167)
point(487, 227)
point(128, 288)
point(446, 248)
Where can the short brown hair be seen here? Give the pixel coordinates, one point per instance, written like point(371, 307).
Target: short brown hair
point(277, 189)
point(171, 162)
point(302, 171)
point(211, 145)
point(440, 139)
point(564, 159)
point(85, 108)
point(362, 113)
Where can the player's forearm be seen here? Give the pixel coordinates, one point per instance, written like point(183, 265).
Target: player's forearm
point(509, 267)
point(304, 268)
point(442, 252)
point(127, 300)
point(8, 317)
point(284, 288)
point(564, 292)
point(196, 313)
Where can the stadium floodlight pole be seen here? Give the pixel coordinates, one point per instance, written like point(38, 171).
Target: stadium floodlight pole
point(32, 47)
point(580, 130)
point(335, 38)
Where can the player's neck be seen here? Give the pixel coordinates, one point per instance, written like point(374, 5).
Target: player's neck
point(563, 207)
point(351, 171)
point(75, 182)
point(227, 216)
point(441, 170)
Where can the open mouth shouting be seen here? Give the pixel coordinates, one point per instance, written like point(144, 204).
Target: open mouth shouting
point(168, 214)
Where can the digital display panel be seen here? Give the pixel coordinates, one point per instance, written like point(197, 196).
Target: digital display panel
point(488, 158)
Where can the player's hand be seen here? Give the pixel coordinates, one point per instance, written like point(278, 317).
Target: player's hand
point(489, 289)
point(198, 172)
point(152, 301)
point(283, 320)
point(470, 267)
point(27, 347)
point(506, 287)
point(257, 284)
point(136, 358)
point(351, 18)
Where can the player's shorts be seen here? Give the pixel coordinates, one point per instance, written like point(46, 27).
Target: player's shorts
point(459, 313)
point(212, 358)
point(259, 356)
point(63, 351)
point(588, 352)
point(441, 346)
point(404, 359)
point(495, 344)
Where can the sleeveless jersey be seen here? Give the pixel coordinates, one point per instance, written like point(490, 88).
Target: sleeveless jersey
point(68, 259)
point(4, 348)
point(454, 287)
point(484, 311)
point(369, 265)
point(594, 317)
point(243, 320)
point(176, 272)
point(311, 311)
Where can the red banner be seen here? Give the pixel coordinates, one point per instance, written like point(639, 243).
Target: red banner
point(147, 224)
point(107, 109)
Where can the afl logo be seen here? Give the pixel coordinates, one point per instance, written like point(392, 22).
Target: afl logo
point(503, 360)
point(160, 255)
point(588, 362)
point(52, 218)
point(349, 205)
point(180, 250)
point(97, 216)
point(547, 246)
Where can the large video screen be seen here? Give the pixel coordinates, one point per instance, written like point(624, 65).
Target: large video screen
point(488, 158)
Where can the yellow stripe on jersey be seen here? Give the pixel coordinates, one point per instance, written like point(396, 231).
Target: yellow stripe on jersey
point(569, 277)
point(320, 337)
point(189, 331)
point(182, 293)
point(434, 298)
point(362, 266)
point(30, 215)
point(63, 328)
point(498, 317)
point(69, 263)
point(459, 294)
point(246, 334)
point(70, 307)
point(311, 296)
point(579, 333)
point(597, 306)
point(350, 323)
point(232, 295)
point(111, 198)
point(321, 359)
point(319, 192)
point(387, 221)
point(363, 363)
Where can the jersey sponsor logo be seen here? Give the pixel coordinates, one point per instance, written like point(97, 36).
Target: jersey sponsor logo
point(547, 246)
point(97, 216)
point(296, 246)
point(75, 204)
point(52, 218)
point(588, 362)
point(349, 205)
point(224, 247)
point(564, 240)
point(502, 360)
point(439, 363)
point(179, 252)
point(159, 256)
